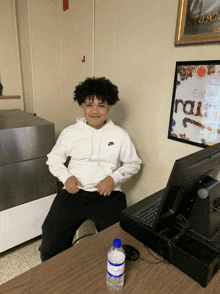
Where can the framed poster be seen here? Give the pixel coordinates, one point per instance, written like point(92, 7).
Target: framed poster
point(198, 22)
point(195, 108)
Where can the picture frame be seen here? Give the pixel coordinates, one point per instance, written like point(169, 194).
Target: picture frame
point(197, 22)
point(195, 106)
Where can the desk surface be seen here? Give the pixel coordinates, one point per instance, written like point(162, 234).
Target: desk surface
point(82, 270)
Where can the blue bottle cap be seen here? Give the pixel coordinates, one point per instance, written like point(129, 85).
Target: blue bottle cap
point(117, 243)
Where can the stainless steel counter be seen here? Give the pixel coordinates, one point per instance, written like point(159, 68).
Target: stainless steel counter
point(25, 140)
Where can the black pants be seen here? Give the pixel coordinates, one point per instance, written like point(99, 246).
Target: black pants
point(69, 211)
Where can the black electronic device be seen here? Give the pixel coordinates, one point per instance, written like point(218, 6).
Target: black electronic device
point(188, 214)
point(190, 175)
point(131, 252)
point(189, 255)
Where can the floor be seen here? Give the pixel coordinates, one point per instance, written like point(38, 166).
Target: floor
point(18, 260)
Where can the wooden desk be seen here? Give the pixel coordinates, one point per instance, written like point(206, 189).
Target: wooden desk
point(82, 270)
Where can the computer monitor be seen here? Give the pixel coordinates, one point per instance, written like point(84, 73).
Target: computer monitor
point(191, 191)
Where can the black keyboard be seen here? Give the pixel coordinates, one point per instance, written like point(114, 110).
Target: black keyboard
point(146, 214)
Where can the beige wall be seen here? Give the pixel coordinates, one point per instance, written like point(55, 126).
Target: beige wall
point(10, 74)
point(25, 46)
point(134, 47)
point(53, 44)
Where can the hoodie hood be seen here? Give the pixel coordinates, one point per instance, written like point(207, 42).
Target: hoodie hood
point(81, 123)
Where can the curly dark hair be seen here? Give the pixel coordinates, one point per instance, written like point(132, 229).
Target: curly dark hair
point(102, 88)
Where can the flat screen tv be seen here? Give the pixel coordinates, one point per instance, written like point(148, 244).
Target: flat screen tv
point(195, 108)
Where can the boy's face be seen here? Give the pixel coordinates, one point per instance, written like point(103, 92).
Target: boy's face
point(95, 112)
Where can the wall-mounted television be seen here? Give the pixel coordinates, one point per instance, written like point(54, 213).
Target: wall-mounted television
point(195, 108)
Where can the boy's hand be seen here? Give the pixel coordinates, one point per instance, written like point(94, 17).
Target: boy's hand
point(71, 185)
point(106, 186)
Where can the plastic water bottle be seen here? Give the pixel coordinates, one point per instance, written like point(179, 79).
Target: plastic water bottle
point(115, 266)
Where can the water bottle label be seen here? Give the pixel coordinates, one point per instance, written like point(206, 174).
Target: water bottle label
point(115, 270)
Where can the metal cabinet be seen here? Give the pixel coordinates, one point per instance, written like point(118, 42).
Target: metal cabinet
point(25, 141)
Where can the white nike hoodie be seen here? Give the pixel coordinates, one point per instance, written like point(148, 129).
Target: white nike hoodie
point(95, 154)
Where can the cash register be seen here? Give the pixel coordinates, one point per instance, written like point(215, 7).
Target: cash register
point(181, 222)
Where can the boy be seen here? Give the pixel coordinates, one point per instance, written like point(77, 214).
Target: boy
point(92, 180)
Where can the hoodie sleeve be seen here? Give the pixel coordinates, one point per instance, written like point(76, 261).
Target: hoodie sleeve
point(130, 162)
point(57, 157)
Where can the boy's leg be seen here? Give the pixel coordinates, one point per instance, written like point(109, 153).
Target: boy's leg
point(107, 209)
point(66, 214)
